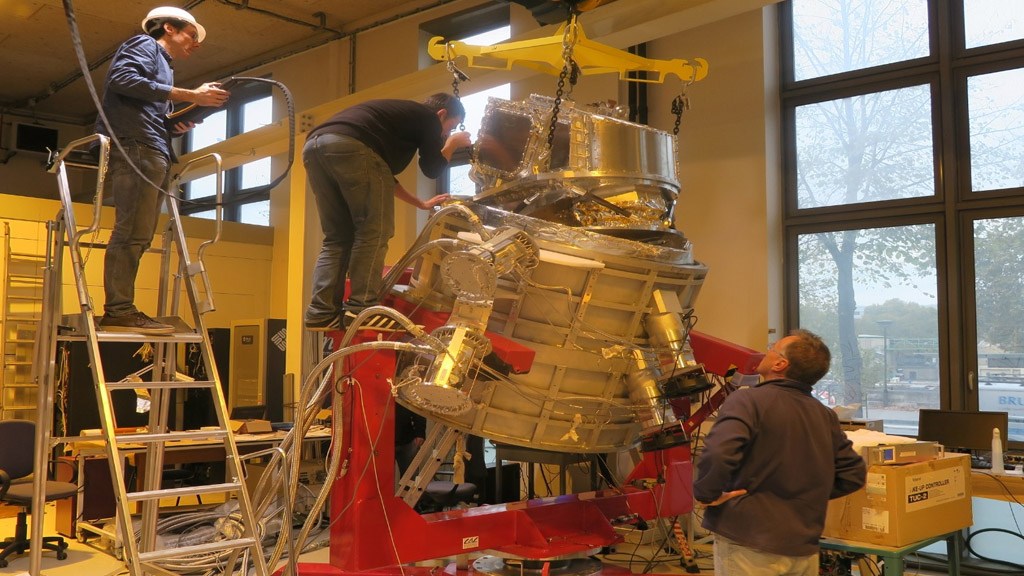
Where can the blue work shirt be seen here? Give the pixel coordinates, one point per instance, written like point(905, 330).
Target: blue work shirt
point(136, 92)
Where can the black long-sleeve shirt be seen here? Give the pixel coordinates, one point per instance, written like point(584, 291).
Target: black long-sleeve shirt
point(395, 130)
point(785, 448)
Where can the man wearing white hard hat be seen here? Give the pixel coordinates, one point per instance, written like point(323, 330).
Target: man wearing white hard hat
point(137, 97)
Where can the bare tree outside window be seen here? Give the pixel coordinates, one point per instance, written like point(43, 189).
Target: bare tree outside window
point(836, 36)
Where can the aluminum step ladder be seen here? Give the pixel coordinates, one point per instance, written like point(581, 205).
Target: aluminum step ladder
point(20, 304)
point(178, 273)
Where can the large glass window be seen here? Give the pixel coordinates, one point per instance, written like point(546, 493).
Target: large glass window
point(245, 197)
point(904, 200)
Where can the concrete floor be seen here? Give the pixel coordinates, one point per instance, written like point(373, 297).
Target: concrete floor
point(90, 559)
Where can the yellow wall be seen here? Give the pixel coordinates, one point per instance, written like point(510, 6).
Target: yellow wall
point(239, 266)
point(727, 154)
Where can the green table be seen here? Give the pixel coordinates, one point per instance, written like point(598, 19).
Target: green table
point(893, 556)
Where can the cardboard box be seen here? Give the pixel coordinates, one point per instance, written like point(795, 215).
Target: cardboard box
point(251, 426)
point(851, 425)
point(901, 505)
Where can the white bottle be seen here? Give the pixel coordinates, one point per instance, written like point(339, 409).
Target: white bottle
point(997, 452)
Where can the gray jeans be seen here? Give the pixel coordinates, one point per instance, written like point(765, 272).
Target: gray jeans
point(732, 559)
point(355, 196)
point(137, 208)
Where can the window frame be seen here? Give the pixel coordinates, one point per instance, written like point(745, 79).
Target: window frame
point(952, 210)
point(240, 97)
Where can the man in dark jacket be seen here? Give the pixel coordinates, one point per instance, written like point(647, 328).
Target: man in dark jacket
point(772, 461)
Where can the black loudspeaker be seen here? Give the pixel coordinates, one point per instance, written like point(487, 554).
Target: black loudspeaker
point(509, 484)
point(276, 349)
point(77, 408)
point(257, 365)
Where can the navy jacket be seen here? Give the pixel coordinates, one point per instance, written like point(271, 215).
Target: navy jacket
point(785, 448)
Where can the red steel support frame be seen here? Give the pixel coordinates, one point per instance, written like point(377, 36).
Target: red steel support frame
point(373, 532)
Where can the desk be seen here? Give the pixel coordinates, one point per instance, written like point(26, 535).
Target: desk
point(1008, 487)
point(893, 557)
point(94, 472)
point(533, 456)
point(191, 452)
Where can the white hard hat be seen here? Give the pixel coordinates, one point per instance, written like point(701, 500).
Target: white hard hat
point(171, 13)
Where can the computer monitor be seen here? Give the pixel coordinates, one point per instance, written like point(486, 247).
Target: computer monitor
point(255, 412)
point(961, 430)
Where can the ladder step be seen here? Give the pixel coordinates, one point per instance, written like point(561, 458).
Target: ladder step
point(22, 318)
point(103, 245)
point(19, 406)
point(172, 436)
point(172, 385)
point(131, 337)
point(185, 491)
point(197, 549)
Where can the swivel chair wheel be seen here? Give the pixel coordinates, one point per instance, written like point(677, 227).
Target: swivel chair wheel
point(3, 563)
point(62, 554)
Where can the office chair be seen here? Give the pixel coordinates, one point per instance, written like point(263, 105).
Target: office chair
point(16, 461)
point(172, 477)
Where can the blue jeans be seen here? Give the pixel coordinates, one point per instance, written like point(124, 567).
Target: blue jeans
point(732, 559)
point(136, 210)
point(355, 196)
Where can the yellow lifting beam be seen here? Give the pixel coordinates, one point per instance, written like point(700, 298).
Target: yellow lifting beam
point(548, 55)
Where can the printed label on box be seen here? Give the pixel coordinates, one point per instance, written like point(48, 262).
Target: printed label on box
point(875, 520)
point(875, 483)
point(934, 488)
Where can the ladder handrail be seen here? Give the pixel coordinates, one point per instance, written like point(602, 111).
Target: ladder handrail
point(104, 157)
point(74, 235)
point(219, 190)
point(197, 267)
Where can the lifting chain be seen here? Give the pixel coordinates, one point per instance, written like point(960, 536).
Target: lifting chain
point(570, 71)
point(680, 104)
point(458, 76)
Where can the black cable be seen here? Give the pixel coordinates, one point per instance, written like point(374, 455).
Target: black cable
point(241, 198)
point(967, 543)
